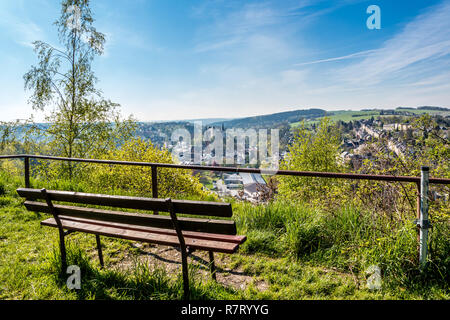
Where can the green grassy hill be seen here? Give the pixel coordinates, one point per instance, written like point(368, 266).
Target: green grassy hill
point(272, 120)
point(351, 115)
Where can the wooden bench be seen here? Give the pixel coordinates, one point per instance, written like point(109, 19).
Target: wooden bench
point(186, 233)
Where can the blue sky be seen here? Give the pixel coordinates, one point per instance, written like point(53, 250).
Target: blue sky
point(188, 59)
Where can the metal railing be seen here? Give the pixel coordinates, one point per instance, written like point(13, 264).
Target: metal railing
point(154, 166)
point(421, 182)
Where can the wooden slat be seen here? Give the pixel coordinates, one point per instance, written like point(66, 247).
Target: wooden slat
point(198, 244)
point(157, 221)
point(202, 208)
point(197, 235)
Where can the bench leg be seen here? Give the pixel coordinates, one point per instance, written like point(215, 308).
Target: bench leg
point(184, 254)
point(184, 265)
point(99, 249)
point(62, 248)
point(212, 265)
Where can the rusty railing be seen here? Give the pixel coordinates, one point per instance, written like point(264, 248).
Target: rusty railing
point(421, 206)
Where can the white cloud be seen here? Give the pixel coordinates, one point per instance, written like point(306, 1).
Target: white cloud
point(21, 29)
point(22, 32)
point(423, 40)
point(250, 70)
point(239, 24)
point(346, 57)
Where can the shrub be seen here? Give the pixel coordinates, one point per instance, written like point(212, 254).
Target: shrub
point(313, 150)
point(261, 241)
point(138, 180)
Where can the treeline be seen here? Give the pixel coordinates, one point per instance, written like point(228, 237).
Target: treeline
point(271, 120)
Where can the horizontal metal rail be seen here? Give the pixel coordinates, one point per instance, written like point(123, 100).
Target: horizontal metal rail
point(154, 173)
point(334, 175)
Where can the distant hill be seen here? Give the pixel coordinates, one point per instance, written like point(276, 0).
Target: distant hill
point(209, 121)
point(160, 131)
point(204, 121)
point(425, 108)
point(433, 108)
point(270, 120)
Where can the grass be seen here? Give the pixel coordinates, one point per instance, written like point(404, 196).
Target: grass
point(347, 115)
point(293, 252)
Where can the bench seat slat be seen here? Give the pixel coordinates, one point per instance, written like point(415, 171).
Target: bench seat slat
point(149, 220)
point(144, 236)
point(187, 234)
point(201, 208)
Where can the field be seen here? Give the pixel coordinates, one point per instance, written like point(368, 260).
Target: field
point(347, 115)
point(292, 252)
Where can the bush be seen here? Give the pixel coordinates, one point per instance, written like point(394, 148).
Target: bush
point(122, 179)
point(2, 188)
point(280, 226)
point(303, 238)
point(313, 150)
point(261, 241)
point(137, 180)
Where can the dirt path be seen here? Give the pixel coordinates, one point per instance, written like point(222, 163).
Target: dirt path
point(169, 259)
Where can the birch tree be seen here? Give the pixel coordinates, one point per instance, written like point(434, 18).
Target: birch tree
point(82, 122)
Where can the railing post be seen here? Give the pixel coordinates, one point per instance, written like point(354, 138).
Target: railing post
point(418, 216)
point(155, 184)
point(26, 162)
point(423, 222)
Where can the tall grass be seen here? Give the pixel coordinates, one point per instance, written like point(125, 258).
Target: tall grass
point(349, 238)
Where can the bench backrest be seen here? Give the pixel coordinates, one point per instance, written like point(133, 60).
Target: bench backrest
point(198, 208)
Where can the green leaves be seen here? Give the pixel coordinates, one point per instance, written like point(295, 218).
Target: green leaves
point(312, 150)
point(83, 123)
point(176, 183)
